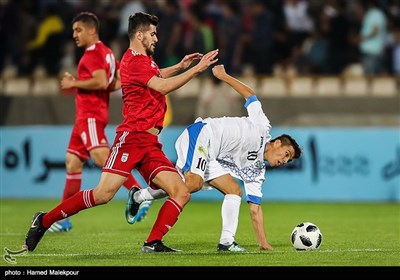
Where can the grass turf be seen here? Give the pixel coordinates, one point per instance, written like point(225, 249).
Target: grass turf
point(354, 235)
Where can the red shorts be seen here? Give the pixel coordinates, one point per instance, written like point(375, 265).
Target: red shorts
point(138, 150)
point(87, 135)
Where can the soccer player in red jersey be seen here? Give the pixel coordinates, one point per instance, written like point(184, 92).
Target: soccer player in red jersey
point(136, 145)
point(98, 75)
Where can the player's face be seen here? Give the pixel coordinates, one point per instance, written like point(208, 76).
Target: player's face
point(278, 154)
point(81, 34)
point(150, 40)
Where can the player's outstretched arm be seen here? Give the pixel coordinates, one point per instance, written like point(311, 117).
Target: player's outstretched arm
point(257, 219)
point(186, 61)
point(243, 89)
point(165, 86)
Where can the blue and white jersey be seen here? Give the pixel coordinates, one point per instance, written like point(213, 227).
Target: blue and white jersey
point(214, 147)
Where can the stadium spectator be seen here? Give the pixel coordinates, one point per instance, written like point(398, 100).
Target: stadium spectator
point(136, 144)
point(215, 151)
point(98, 76)
point(371, 39)
point(267, 27)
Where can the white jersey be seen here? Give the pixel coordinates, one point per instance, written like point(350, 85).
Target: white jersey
point(235, 145)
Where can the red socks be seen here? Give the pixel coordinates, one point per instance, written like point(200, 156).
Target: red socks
point(167, 217)
point(72, 184)
point(69, 207)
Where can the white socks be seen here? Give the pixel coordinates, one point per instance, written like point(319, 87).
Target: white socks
point(148, 194)
point(230, 218)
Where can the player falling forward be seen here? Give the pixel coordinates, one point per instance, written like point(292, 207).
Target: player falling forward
point(215, 151)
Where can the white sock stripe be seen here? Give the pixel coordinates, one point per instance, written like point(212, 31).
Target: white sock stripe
point(93, 132)
point(74, 176)
point(86, 198)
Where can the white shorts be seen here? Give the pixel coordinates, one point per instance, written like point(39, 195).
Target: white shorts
point(195, 155)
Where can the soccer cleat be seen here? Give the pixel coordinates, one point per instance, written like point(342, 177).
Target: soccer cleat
point(132, 207)
point(157, 246)
point(233, 247)
point(143, 209)
point(61, 225)
point(35, 232)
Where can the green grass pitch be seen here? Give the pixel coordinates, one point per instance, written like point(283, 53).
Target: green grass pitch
point(354, 234)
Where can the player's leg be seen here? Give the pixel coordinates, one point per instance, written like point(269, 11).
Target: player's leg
point(179, 196)
point(77, 154)
point(75, 158)
point(108, 185)
point(158, 170)
point(229, 211)
point(74, 167)
point(190, 149)
point(113, 176)
point(139, 202)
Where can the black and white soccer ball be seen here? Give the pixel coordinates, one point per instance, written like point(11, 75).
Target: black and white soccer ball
point(306, 236)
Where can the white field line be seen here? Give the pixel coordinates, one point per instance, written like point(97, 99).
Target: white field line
point(194, 253)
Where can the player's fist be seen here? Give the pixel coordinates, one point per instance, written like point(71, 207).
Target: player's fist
point(67, 83)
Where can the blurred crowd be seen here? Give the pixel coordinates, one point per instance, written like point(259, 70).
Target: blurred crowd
point(313, 37)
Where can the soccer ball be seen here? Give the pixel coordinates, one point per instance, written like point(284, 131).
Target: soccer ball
point(306, 236)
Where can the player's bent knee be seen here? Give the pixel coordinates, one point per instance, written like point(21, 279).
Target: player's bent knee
point(193, 187)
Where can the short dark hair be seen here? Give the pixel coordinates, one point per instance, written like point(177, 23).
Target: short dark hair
point(89, 19)
point(288, 140)
point(140, 22)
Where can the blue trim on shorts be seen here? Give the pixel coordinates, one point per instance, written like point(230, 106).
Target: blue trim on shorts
point(250, 100)
point(254, 199)
point(194, 131)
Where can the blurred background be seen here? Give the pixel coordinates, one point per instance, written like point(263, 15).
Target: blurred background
point(327, 72)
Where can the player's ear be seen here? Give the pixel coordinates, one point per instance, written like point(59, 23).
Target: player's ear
point(277, 143)
point(139, 35)
point(92, 31)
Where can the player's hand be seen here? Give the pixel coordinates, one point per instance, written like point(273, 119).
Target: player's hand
point(219, 71)
point(266, 246)
point(208, 59)
point(67, 82)
point(189, 59)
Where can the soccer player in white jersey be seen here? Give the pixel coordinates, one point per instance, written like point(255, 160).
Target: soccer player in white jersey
point(212, 152)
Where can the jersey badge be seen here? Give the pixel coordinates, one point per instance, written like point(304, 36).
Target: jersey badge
point(124, 157)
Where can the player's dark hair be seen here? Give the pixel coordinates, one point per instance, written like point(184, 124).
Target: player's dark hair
point(88, 19)
point(288, 140)
point(140, 22)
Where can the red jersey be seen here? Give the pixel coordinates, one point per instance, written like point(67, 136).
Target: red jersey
point(95, 103)
point(143, 107)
